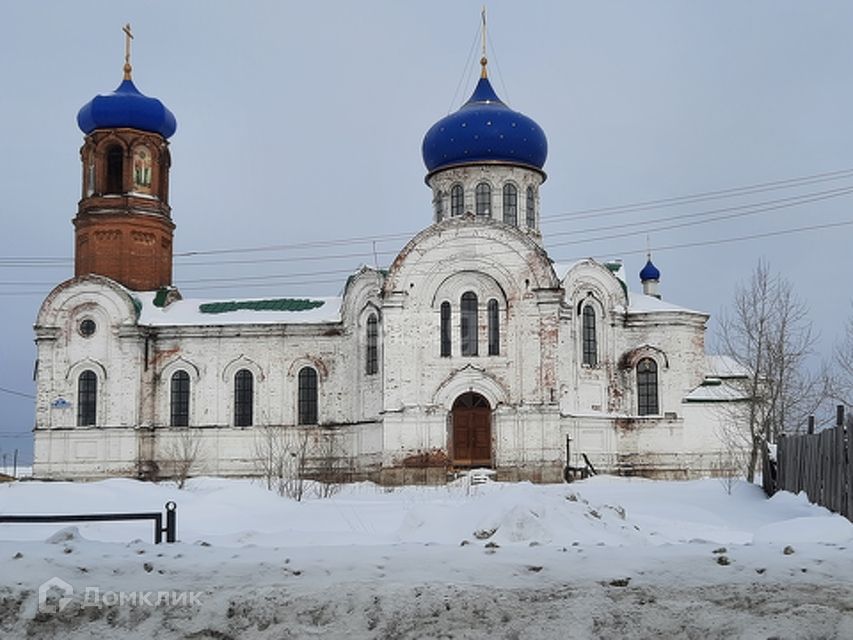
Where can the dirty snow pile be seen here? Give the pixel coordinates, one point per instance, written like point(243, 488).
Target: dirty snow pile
point(602, 558)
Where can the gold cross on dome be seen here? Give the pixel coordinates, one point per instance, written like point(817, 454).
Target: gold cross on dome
point(483, 60)
point(128, 36)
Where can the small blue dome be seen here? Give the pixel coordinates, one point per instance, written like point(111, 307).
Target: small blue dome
point(484, 130)
point(126, 107)
point(649, 272)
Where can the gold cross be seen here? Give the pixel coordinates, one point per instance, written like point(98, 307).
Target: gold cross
point(483, 60)
point(128, 36)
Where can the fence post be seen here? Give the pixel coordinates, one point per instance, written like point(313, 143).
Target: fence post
point(811, 425)
point(171, 521)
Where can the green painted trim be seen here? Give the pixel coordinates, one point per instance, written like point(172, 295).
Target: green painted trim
point(277, 304)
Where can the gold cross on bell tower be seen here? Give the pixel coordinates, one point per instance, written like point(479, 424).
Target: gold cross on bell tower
point(128, 36)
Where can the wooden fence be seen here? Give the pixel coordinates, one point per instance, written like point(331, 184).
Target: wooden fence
point(820, 465)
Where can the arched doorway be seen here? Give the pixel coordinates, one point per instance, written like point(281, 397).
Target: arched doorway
point(472, 431)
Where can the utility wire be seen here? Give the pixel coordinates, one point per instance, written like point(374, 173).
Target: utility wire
point(670, 247)
point(21, 394)
point(734, 212)
point(708, 243)
point(27, 261)
point(465, 70)
point(732, 192)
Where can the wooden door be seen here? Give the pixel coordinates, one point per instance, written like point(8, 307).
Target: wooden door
point(472, 431)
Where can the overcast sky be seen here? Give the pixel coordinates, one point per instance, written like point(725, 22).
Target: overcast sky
point(302, 122)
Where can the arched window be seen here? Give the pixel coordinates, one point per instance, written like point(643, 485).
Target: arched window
point(647, 387)
point(244, 398)
point(445, 329)
point(180, 399)
point(510, 204)
point(530, 204)
point(468, 324)
point(494, 328)
point(590, 345)
point(115, 170)
point(483, 199)
point(307, 396)
point(439, 207)
point(457, 200)
point(87, 399)
point(372, 353)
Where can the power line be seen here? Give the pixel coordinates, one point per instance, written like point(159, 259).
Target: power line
point(747, 209)
point(683, 245)
point(744, 209)
point(708, 243)
point(689, 223)
point(12, 392)
point(52, 262)
point(313, 244)
point(671, 247)
point(731, 192)
point(252, 281)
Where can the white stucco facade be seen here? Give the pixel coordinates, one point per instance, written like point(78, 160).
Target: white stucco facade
point(472, 349)
point(396, 424)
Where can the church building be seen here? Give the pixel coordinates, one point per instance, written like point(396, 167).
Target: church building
point(473, 349)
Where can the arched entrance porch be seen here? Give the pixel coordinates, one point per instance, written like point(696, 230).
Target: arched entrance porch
point(471, 433)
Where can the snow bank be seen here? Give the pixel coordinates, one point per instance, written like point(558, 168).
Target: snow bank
point(416, 562)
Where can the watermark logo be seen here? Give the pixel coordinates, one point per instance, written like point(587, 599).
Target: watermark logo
point(48, 600)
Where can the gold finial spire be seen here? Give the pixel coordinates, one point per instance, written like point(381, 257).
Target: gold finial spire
point(484, 60)
point(128, 36)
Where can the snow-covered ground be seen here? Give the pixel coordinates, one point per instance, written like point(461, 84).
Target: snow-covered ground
point(602, 558)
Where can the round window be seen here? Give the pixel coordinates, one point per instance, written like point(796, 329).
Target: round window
point(87, 327)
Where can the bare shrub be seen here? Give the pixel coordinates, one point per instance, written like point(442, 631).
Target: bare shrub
point(182, 453)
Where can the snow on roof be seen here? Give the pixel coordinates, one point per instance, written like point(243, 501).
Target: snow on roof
point(725, 367)
point(562, 268)
point(715, 390)
point(641, 303)
point(207, 312)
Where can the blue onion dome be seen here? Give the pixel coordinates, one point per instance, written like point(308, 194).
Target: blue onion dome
point(484, 130)
point(649, 272)
point(126, 107)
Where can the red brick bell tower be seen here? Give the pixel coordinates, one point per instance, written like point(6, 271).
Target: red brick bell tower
point(123, 228)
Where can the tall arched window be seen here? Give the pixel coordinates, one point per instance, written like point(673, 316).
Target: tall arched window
point(457, 200)
point(307, 396)
point(439, 207)
point(115, 170)
point(87, 399)
point(530, 204)
point(483, 199)
point(372, 351)
point(590, 345)
point(494, 328)
point(180, 399)
point(468, 324)
point(244, 398)
point(510, 204)
point(647, 387)
point(445, 329)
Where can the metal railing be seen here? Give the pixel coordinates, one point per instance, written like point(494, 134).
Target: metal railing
point(170, 529)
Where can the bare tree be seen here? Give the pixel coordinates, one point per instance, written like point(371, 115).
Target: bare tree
point(768, 333)
point(281, 457)
point(182, 453)
point(840, 380)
